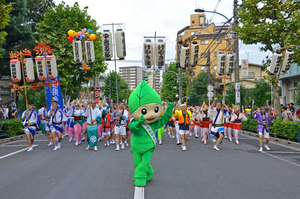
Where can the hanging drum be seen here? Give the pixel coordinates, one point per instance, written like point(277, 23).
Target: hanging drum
point(15, 70)
point(120, 43)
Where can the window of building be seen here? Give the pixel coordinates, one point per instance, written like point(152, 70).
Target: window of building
point(193, 22)
point(194, 33)
point(201, 20)
point(215, 54)
point(203, 55)
point(203, 42)
point(218, 41)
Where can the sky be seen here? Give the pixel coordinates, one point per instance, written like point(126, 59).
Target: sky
point(166, 17)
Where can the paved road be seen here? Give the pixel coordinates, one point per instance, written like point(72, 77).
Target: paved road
point(237, 171)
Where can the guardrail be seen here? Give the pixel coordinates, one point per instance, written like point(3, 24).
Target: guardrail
point(292, 130)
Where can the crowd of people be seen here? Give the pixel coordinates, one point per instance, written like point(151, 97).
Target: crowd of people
point(8, 111)
point(96, 122)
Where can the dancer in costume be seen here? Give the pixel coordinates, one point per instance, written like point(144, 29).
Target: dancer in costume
point(145, 107)
point(70, 122)
point(176, 123)
point(77, 115)
point(119, 117)
point(236, 119)
point(197, 121)
point(57, 117)
point(205, 119)
point(217, 130)
point(84, 121)
point(40, 114)
point(185, 120)
point(93, 114)
point(30, 122)
point(112, 126)
point(106, 128)
point(262, 117)
point(128, 132)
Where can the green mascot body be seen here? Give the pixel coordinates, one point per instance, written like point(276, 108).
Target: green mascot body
point(146, 107)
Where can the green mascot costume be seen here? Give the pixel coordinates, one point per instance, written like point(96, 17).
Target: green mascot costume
point(145, 107)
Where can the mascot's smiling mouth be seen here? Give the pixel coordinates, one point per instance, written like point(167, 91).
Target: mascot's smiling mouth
point(151, 119)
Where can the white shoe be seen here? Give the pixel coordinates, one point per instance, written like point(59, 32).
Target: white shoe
point(95, 148)
point(237, 142)
point(173, 137)
point(213, 140)
point(79, 142)
point(88, 147)
point(59, 145)
point(66, 134)
point(50, 144)
point(55, 148)
point(118, 148)
point(30, 149)
point(63, 136)
point(70, 140)
point(107, 143)
point(169, 133)
point(204, 142)
point(76, 143)
point(127, 144)
point(268, 149)
point(159, 142)
point(83, 139)
point(111, 141)
point(230, 139)
point(226, 137)
point(99, 139)
point(261, 149)
point(125, 141)
point(216, 148)
point(121, 142)
point(122, 146)
point(181, 146)
point(184, 148)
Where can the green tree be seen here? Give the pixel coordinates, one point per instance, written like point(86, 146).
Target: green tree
point(271, 23)
point(37, 97)
point(110, 86)
point(19, 34)
point(168, 91)
point(261, 93)
point(230, 95)
point(5, 8)
point(198, 89)
point(54, 31)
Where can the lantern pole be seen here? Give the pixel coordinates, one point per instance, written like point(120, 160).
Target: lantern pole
point(21, 59)
point(115, 52)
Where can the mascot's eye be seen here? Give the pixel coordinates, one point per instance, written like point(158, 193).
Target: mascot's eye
point(144, 111)
point(156, 109)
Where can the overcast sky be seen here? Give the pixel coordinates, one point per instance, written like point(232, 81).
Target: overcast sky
point(166, 17)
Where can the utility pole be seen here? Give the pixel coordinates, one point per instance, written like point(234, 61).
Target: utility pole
point(179, 74)
point(208, 67)
point(109, 90)
point(236, 48)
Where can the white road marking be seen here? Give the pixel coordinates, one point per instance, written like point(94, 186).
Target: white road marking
point(283, 152)
point(16, 145)
point(274, 156)
point(139, 192)
point(13, 153)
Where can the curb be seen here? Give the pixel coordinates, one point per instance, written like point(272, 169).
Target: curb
point(10, 139)
point(276, 140)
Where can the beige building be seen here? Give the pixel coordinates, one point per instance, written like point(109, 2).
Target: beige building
point(6, 95)
point(133, 75)
point(205, 34)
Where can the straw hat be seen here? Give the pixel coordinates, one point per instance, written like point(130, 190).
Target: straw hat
point(204, 107)
point(178, 105)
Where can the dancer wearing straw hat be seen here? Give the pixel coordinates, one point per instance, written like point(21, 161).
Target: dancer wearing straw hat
point(205, 119)
point(236, 119)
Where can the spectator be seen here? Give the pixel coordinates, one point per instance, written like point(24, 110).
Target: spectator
point(12, 113)
point(1, 114)
point(292, 109)
point(286, 114)
point(6, 112)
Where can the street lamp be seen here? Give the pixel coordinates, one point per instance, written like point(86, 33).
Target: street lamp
point(202, 10)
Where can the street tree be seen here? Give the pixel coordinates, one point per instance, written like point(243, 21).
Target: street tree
point(271, 23)
point(261, 93)
point(230, 95)
point(19, 33)
point(170, 87)
point(54, 31)
point(5, 9)
point(110, 87)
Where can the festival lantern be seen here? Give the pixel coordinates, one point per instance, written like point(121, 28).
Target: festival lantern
point(28, 69)
point(148, 53)
point(184, 57)
point(276, 63)
point(77, 51)
point(160, 53)
point(194, 53)
point(120, 43)
point(15, 70)
point(107, 44)
point(41, 68)
point(287, 61)
point(229, 62)
point(221, 58)
point(51, 66)
point(89, 51)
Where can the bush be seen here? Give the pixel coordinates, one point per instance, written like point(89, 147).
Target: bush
point(14, 127)
point(284, 129)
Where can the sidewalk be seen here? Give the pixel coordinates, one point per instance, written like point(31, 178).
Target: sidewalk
point(4, 140)
point(275, 140)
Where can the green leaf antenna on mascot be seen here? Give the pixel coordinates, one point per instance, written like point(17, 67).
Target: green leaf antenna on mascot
point(146, 107)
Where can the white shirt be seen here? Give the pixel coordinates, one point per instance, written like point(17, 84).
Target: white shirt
point(41, 111)
point(95, 113)
point(59, 116)
point(214, 113)
point(32, 118)
point(78, 112)
point(241, 116)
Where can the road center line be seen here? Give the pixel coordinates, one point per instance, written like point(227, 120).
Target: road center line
point(13, 153)
point(139, 192)
point(16, 145)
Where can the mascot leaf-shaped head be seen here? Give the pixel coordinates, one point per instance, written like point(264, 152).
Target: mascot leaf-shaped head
point(144, 100)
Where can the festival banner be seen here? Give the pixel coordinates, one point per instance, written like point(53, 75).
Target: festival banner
point(56, 92)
